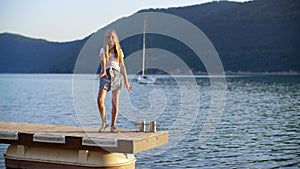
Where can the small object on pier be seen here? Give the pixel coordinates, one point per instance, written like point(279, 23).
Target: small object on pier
point(142, 126)
point(152, 126)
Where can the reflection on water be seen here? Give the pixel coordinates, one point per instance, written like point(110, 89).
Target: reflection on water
point(260, 127)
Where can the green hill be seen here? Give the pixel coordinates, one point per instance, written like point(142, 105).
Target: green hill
point(255, 36)
point(19, 54)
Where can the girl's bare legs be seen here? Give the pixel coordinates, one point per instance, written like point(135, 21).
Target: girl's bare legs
point(115, 110)
point(101, 98)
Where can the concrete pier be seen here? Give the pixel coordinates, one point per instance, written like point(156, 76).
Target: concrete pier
point(48, 146)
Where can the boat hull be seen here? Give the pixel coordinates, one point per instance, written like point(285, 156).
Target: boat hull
point(20, 156)
point(146, 79)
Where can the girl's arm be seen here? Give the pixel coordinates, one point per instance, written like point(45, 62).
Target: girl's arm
point(103, 66)
point(123, 70)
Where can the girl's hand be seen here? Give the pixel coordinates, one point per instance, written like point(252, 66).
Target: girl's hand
point(102, 75)
point(128, 87)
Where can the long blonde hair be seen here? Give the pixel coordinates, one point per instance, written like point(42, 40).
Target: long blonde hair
point(117, 47)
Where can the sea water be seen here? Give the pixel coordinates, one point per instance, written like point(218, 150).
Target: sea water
point(259, 126)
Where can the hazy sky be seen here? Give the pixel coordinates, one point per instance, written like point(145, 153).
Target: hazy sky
point(66, 20)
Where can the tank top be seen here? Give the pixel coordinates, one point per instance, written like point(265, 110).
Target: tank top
point(113, 62)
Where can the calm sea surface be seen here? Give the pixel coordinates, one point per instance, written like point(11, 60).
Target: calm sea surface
point(259, 127)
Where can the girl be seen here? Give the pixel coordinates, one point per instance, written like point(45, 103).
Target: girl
point(112, 64)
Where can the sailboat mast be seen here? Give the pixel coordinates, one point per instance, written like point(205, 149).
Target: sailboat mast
point(144, 45)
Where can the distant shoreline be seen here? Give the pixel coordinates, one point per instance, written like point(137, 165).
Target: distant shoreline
point(196, 74)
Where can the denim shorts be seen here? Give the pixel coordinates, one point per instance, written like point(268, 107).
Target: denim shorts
point(113, 81)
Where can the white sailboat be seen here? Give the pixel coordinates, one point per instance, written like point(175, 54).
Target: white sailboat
point(145, 79)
